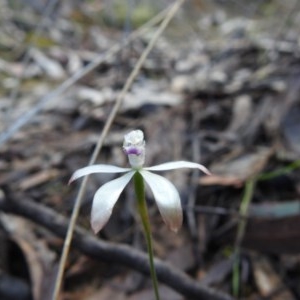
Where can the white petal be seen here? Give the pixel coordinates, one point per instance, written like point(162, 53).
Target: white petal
point(105, 199)
point(167, 199)
point(177, 165)
point(97, 169)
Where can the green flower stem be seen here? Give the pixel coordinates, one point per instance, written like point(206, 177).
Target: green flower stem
point(142, 208)
point(247, 197)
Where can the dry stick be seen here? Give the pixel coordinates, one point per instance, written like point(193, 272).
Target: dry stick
point(28, 116)
point(118, 254)
point(107, 126)
point(37, 32)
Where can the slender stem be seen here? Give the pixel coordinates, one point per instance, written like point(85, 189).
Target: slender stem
point(142, 208)
point(247, 197)
point(66, 248)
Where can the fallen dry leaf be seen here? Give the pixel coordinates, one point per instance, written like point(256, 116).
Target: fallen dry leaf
point(268, 281)
point(40, 259)
point(38, 178)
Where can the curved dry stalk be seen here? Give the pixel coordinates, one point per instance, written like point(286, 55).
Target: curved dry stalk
point(28, 116)
point(98, 147)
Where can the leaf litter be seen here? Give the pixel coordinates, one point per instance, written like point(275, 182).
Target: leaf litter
point(233, 89)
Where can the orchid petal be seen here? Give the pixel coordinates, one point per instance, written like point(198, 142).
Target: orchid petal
point(105, 199)
point(167, 199)
point(177, 165)
point(97, 169)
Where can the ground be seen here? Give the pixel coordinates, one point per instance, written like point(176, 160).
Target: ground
point(220, 87)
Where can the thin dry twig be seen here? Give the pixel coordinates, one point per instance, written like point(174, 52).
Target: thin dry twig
point(29, 115)
point(107, 251)
point(106, 128)
point(41, 25)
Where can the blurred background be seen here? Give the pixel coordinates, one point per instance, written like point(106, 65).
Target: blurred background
point(220, 87)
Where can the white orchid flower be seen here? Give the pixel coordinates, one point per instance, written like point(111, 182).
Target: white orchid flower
point(164, 192)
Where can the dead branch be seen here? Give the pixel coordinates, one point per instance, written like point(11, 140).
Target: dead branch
point(107, 251)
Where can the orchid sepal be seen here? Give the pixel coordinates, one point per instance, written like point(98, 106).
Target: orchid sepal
point(167, 199)
point(105, 199)
point(164, 192)
point(172, 165)
point(97, 169)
